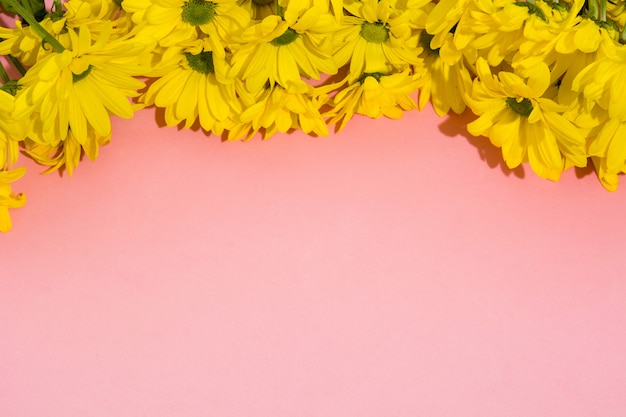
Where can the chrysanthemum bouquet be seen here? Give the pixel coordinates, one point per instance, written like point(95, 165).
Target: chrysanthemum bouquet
point(546, 79)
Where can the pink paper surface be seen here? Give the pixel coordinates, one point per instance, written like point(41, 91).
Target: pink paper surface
point(395, 269)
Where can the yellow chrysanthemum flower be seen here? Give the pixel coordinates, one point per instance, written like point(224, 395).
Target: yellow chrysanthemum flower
point(277, 109)
point(489, 28)
point(334, 6)
point(585, 36)
point(515, 116)
point(603, 80)
point(259, 9)
point(610, 181)
point(546, 20)
point(9, 200)
point(79, 89)
point(608, 151)
point(25, 43)
point(282, 50)
point(67, 154)
point(94, 13)
point(507, 30)
point(88, 11)
point(445, 79)
point(194, 86)
point(575, 50)
point(616, 11)
point(171, 22)
point(376, 38)
point(12, 131)
point(443, 17)
point(374, 95)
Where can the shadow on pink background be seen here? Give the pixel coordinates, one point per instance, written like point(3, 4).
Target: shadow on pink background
point(396, 269)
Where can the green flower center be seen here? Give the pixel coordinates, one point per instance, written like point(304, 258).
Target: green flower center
point(374, 32)
point(375, 75)
point(286, 38)
point(198, 12)
point(425, 39)
point(523, 108)
point(202, 62)
point(77, 77)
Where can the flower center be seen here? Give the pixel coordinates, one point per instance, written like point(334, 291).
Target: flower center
point(202, 62)
point(375, 75)
point(523, 108)
point(263, 2)
point(374, 32)
point(198, 12)
point(77, 77)
point(286, 38)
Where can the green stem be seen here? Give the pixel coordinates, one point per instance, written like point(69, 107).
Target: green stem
point(3, 74)
point(279, 9)
point(17, 64)
point(30, 19)
point(603, 10)
point(594, 9)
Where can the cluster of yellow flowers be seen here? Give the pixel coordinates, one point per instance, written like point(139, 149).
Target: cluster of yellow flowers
point(544, 78)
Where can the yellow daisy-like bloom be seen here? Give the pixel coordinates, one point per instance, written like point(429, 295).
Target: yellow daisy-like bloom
point(608, 151)
point(335, 7)
point(585, 36)
point(277, 109)
point(515, 116)
point(280, 51)
point(259, 9)
point(95, 13)
point(537, 40)
point(610, 181)
point(66, 154)
point(79, 89)
point(490, 28)
point(12, 131)
point(25, 43)
point(504, 30)
point(443, 17)
point(87, 11)
point(174, 21)
point(194, 86)
point(603, 81)
point(374, 95)
point(9, 200)
point(445, 80)
point(376, 38)
point(617, 12)
point(576, 49)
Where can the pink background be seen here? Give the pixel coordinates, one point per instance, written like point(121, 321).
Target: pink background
point(396, 269)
